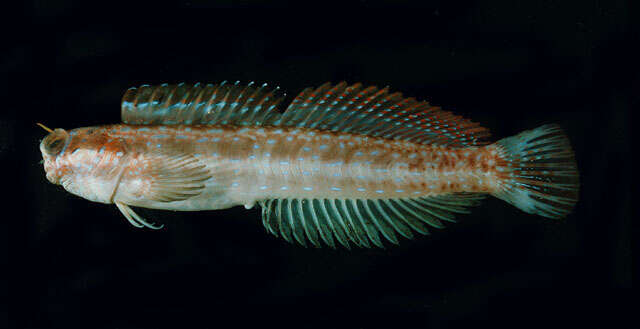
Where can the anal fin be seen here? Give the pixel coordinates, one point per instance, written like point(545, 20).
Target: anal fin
point(363, 222)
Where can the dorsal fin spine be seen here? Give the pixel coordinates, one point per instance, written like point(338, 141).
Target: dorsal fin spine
point(253, 104)
point(152, 99)
point(185, 97)
point(165, 107)
point(170, 98)
point(270, 113)
point(226, 104)
point(230, 98)
point(242, 99)
point(187, 100)
point(256, 103)
point(211, 91)
point(200, 93)
point(260, 112)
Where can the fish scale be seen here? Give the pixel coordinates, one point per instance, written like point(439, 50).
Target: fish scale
point(348, 165)
point(305, 162)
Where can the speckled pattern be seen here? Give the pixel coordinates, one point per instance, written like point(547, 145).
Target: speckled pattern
point(249, 164)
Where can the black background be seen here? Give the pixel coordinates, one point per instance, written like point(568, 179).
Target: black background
point(511, 65)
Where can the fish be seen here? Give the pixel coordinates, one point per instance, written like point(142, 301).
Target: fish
point(341, 165)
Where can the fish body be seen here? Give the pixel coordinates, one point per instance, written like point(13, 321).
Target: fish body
point(343, 164)
point(251, 164)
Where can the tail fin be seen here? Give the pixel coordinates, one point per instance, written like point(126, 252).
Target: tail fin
point(539, 172)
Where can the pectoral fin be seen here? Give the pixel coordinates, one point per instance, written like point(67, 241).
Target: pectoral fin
point(175, 178)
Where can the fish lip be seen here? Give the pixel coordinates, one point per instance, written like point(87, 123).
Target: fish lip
point(51, 179)
point(50, 171)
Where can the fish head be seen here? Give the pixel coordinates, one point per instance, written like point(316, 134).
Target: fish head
point(85, 161)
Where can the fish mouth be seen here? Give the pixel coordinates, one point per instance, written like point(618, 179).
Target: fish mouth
point(50, 172)
point(52, 179)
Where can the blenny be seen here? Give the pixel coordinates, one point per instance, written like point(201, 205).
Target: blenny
point(343, 164)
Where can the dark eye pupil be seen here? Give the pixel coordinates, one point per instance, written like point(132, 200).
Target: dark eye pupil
point(55, 144)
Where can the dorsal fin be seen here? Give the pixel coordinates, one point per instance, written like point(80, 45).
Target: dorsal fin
point(340, 108)
point(244, 105)
point(376, 112)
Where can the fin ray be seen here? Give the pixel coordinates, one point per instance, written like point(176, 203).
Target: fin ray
point(322, 229)
point(384, 229)
point(294, 220)
point(366, 223)
point(343, 221)
point(123, 209)
point(336, 228)
point(135, 219)
point(398, 225)
point(285, 230)
point(353, 223)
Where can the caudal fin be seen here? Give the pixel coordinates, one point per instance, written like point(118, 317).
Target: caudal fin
point(539, 173)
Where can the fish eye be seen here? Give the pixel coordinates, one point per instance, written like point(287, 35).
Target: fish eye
point(54, 143)
point(55, 146)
